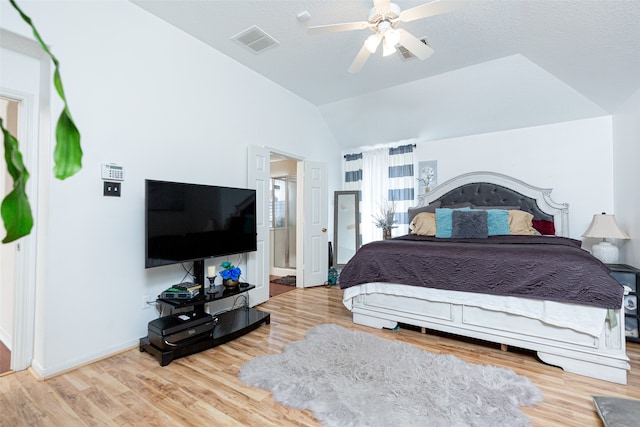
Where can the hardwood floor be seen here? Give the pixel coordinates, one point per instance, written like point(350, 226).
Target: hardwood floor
point(276, 289)
point(5, 359)
point(131, 388)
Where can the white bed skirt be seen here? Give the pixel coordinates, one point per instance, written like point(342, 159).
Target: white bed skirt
point(576, 338)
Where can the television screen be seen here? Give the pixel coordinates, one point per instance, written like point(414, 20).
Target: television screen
point(188, 222)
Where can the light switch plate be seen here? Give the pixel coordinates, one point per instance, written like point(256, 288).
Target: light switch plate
point(111, 189)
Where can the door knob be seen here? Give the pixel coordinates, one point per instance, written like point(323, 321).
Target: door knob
point(324, 230)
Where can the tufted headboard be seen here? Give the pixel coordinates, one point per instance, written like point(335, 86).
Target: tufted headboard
point(493, 189)
point(488, 194)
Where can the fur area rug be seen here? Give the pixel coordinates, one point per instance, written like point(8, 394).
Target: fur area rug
point(351, 378)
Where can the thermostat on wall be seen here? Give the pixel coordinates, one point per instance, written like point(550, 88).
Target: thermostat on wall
point(112, 172)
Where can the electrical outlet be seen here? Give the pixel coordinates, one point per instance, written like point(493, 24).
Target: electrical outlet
point(111, 189)
point(147, 301)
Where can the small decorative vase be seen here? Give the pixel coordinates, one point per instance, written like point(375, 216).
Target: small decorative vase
point(386, 233)
point(230, 283)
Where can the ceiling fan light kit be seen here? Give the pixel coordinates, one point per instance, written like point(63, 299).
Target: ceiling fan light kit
point(372, 42)
point(383, 20)
point(387, 48)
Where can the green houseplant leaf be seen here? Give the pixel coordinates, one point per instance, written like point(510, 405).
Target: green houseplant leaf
point(68, 153)
point(67, 156)
point(15, 209)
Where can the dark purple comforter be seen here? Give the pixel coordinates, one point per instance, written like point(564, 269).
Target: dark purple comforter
point(541, 267)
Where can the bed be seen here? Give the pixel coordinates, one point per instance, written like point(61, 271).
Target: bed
point(444, 283)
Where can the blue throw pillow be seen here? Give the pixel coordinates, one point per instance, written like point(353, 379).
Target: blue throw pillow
point(444, 221)
point(469, 224)
point(497, 222)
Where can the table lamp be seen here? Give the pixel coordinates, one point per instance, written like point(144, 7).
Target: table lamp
point(603, 227)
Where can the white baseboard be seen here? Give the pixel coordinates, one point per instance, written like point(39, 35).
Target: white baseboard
point(73, 364)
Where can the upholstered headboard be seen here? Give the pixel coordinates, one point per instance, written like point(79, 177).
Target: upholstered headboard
point(493, 189)
point(489, 194)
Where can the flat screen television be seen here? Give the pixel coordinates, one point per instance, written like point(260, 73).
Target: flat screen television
point(192, 222)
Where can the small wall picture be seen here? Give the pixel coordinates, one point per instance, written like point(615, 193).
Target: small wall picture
point(427, 176)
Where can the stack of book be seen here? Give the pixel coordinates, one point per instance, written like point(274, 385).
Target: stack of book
point(181, 291)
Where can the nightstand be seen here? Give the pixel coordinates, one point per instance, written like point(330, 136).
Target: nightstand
point(629, 276)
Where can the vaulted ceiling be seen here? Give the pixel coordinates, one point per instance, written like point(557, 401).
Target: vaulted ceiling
point(498, 64)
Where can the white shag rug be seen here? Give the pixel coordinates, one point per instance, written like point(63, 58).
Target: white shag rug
point(350, 378)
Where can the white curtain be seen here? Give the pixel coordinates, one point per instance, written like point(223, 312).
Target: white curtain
point(382, 176)
point(352, 172)
point(401, 185)
point(375, 191)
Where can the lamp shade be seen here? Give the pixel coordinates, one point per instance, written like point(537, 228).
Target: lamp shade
point(604, 226)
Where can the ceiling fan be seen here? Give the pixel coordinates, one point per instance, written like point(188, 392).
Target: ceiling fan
point(383, 20)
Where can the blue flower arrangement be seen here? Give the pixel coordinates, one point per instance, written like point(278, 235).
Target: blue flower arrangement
point(230, 271)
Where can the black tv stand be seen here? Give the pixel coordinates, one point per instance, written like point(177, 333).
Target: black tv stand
point(229, 326)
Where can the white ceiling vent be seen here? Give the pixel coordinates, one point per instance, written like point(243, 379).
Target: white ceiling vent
point(406, 55)
point(255, 39)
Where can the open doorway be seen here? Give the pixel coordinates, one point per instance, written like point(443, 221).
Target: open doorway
point(25, 71)
point(9, 112)
point(310, 228)
point(282, 224)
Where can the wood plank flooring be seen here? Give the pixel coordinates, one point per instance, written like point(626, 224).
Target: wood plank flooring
point(131, 388)
point(5, 359)
point(276, 289)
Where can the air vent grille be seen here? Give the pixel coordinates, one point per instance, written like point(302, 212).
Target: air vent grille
point(255, 39)
point(406, 55)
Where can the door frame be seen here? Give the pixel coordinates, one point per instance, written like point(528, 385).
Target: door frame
point(33, 120)
point(300, 212)
point(24, 295)
point(299, 202)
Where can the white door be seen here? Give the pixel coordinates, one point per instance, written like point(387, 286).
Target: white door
point(258, 262)
point(314, 222)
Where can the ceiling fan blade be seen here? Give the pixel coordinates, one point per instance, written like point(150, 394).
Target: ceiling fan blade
point(361, 59)
point(429, 9)
point(336, 28)
point(382, 6)
point(414, 45)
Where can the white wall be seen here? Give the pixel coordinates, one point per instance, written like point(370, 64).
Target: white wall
point(511, 92)
point(165, 106)
point(574, 158)
point(626, 155)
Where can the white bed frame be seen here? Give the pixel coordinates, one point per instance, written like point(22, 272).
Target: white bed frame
point(603, 357)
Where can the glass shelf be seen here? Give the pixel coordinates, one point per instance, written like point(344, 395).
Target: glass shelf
point(211, 293)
